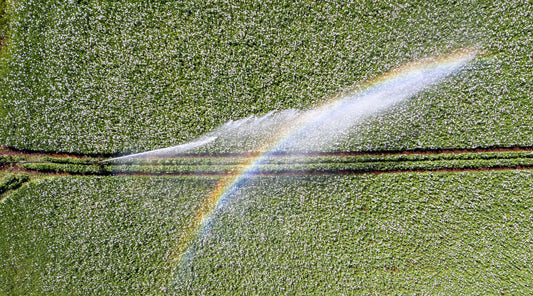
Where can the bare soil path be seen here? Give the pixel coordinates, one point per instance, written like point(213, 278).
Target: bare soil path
point(33, 156)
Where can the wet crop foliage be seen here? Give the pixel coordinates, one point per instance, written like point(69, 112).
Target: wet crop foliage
point(415, 233)
point(432, 233)
point(4, 25)
point(11, 182)
point(97, 78)
point(125, 76)
point(82, 236)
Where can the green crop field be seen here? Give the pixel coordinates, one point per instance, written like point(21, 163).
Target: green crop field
point(438, 233)
point(94, 235)
point(121, 76)
point(278, 165)
point(431, 196)
point(411, 233)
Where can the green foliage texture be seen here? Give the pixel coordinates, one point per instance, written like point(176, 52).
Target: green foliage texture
point(437, 233)
point(106, 236)
point(123, 76)
point(431, 233)
point(3, 19)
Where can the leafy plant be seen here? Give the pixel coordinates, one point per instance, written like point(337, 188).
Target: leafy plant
point(11, 182)
point(3, 22)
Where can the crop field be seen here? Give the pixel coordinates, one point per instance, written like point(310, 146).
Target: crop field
point(433, 195)
point(99, 77)
point(425, 233)
point(437, 233)
point(94, 235)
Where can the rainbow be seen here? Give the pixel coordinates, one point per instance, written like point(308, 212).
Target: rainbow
point(378, 94)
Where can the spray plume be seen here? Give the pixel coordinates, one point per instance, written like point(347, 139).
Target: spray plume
point(292, 130)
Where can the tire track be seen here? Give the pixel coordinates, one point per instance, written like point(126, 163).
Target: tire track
point(278, 173)
point(31, 153)
point(103, 170)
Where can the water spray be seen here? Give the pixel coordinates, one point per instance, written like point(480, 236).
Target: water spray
point(322, 124)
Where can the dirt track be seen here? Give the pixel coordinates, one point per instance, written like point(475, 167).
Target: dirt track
point(9, 151)
point(15, 166)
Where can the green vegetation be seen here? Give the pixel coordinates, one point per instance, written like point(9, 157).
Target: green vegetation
point(76, 169)
point(10, 182)
point(432, 233)
point(121, 76)
point(288, 159)
point(79, 236)
point(392, 233)
point(325, 167)
point(4, 24)
point(112, 77)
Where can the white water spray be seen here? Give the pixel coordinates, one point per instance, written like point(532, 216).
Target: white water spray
point(317, 129)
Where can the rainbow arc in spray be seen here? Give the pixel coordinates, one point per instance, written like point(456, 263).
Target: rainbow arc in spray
point(323, 123)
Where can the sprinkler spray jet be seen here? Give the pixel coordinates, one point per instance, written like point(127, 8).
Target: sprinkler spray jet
point(166, 152)
point(322, 123)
